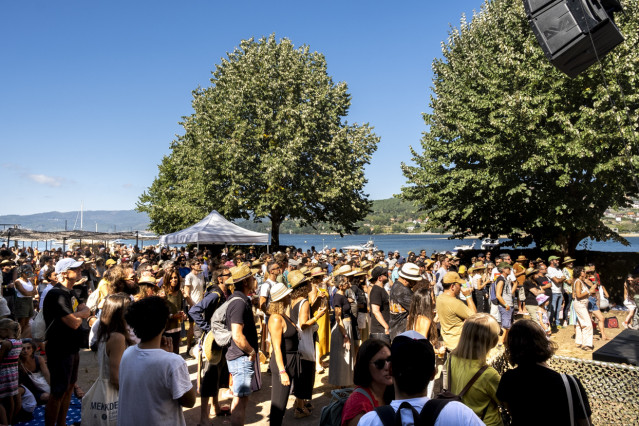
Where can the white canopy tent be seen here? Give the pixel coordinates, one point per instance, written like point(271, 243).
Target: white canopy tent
point(215, 229)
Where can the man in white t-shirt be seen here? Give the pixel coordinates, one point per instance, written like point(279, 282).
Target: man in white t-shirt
point(274, 269)
point(413, 367)
point(154, 382)
point(193, 293)
point(556, 278)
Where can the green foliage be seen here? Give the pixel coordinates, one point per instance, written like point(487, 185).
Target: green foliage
point(266, 140)
point(515, 147)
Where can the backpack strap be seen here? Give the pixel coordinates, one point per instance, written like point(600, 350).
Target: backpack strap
point(472, 381)
point(363, 392)
point(386, 415)
point(431, 411)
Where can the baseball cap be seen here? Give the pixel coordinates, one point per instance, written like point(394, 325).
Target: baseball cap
point(377, 272)
point(452, 278)
point(413, 359)
point(553, 258)
point(66, 264)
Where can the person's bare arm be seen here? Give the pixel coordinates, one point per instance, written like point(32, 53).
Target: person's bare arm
point(375, 309)
point(115, 347)
point(74, 320)
point(44, 369)
point(263, 303)
point(276, 326)
point(24, 291)
point(498, 291)
point(187, 295)
point(305, 313)
point(469, 300)
point(237, 331)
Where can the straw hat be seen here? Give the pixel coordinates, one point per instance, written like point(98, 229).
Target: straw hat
point(476, 267)
point(342, 270)
point(568, 259)
point(305, 270)
point(355, 272)
point(279, 291)
point(410, 271)
point(296, 279)
point(366, 264)
point(521, 258)
point(317, 271)
point(531, 271)
point(147, 279)
point(239, 273)
point(210, 350)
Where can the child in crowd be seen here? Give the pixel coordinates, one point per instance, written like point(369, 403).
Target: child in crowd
point(542, 312)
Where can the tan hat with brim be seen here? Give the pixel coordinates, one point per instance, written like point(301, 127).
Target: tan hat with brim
point(342, 270)
point(568, 259)
point(280, 291)
point(296, 279)
point(453, 278)
point(239, 273)
point(317, 271)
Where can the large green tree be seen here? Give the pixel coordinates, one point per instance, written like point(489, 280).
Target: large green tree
point(268, 138)
point(515, 147)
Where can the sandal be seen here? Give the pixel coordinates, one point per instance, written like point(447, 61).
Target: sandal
point(309, 406)
point(300, 413)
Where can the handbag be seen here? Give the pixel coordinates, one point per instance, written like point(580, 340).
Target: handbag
point(306, 346)
point(584, 421)
point(100, 405)
point(38, 380)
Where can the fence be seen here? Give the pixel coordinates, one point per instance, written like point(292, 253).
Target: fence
point(613, 389)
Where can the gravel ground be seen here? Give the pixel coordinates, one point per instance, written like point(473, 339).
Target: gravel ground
point(259, 405)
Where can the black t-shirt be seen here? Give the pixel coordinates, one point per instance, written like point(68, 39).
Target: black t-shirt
point(341, 301)
point(542, 281)
point(531, 299)
point(61, 338)
point(380, 298)
point(541, 382)
point(239, 312)
point(400, 299)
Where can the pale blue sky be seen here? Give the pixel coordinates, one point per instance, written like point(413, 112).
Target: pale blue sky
point(91, 92)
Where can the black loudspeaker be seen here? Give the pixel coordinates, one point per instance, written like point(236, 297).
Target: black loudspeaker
point(572, 33)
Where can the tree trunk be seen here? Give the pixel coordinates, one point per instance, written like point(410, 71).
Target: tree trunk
point(276, 221)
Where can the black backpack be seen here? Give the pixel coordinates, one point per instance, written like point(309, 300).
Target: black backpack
point(430, 411)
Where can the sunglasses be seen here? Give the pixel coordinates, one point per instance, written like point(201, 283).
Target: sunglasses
point(381, 363)
point(225, 275)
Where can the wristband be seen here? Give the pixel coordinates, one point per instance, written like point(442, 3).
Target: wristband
point(282, 372)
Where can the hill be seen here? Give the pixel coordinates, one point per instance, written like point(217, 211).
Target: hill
point(102, 220)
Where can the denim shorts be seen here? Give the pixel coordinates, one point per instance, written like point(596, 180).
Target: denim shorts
point(592, 304)
point(506, 317)
point(242, 371)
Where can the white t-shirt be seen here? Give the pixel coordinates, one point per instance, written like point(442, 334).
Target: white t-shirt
point(554, 273)
point(151, 382)
point(454, 414)
point(196, 283)
point(26, 285)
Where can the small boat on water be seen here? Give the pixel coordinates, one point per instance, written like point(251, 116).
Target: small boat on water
point(361, 247)
point(489, 244)
point(463, 247)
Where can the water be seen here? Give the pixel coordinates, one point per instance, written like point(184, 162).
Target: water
point(402, 242)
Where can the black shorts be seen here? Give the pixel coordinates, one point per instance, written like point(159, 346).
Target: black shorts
point(63, 369)
point(215, 377)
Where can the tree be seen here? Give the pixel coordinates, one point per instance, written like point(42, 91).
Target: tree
point(267, 139)
point(515, 147)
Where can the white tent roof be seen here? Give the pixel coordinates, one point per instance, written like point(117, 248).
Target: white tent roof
point(214, 229)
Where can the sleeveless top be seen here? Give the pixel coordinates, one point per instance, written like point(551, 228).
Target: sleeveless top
point(307, 341)
point(290, 338)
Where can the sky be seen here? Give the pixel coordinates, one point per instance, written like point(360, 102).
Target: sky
point(92, 92)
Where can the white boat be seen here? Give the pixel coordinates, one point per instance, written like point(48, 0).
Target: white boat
point(463, 247)
point(361, 247)
point(489, 244)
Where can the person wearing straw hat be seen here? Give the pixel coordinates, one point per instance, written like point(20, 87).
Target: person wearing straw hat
point(479, 279)
point(241, 355)
point(318, 299)
point(285, 339)
point(568, 264)
point(401, 296)
point(301, 316)
point(519, 270)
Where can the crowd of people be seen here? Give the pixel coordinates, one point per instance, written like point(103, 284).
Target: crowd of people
point(400, 329)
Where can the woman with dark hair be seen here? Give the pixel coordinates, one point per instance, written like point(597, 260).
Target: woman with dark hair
point(33, 371)
point(583, 325)
point(528, 348)
point(25, 290)
point(421, 315)
point(174, 300)
point(340, 370)
point(373, 380)
point(300, 315)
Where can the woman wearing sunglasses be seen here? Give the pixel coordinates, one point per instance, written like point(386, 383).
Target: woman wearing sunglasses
point(373, 380)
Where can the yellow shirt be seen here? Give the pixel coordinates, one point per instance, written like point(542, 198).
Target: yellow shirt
point(452, 312)
point(483, 393)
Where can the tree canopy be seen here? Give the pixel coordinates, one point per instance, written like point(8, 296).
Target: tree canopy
point(268, 138)
point(516, 148)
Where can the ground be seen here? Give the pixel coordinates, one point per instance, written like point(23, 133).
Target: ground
point(259, 405)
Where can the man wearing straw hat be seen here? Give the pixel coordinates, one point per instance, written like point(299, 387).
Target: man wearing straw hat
point(568, 264)
point(242, 353)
